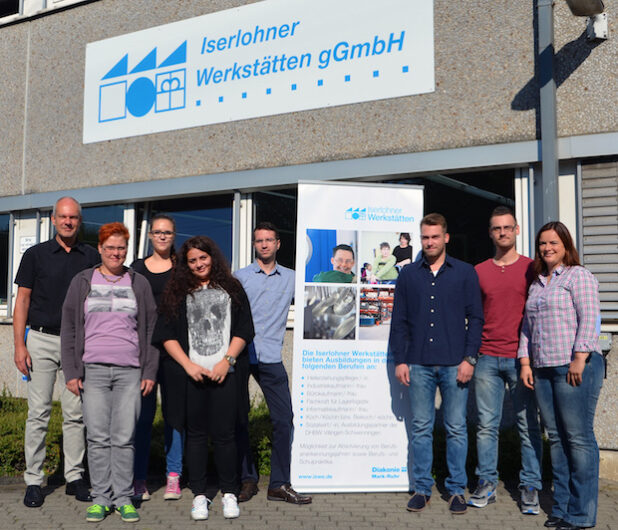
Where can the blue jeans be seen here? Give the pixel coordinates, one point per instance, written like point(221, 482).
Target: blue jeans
point(490, 377)
point(174, 440)
point(424, 380)
point(568, 415)
point(111, 403)
point(174, 449)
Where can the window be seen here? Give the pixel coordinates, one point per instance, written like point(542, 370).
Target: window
point(9, 7)
point(467, 214)
point(279, 207)
point(4, 256)
point(93, 217)
point(209, 216)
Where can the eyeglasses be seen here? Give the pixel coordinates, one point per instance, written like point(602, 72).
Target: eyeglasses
point(269, 240)
point(161, 233)
point(507, 229)
point(344, 261)
point(111, 250)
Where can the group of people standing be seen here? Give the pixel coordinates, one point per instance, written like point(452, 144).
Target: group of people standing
point(184, 321)
point(178, 319)
point(529, 326)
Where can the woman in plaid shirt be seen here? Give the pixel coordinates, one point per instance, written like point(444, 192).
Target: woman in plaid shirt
point(558, 352)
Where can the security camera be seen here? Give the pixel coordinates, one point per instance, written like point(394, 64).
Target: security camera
point(585, 8)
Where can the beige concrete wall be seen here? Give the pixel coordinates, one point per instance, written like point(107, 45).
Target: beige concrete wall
point(485, 94)
point(605, 426)
point(608, 466)
point(588, 96)
point(14, 53)
point(11, 380)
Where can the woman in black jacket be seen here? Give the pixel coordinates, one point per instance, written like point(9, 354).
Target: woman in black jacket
point(205, 324)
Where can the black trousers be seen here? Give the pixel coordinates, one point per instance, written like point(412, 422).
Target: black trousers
point(273, 381)
point(211, 412)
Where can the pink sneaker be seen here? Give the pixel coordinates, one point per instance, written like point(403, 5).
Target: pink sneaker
point(140, 490)
point(172, 488)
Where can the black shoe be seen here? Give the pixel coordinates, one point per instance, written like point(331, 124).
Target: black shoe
point(418, 502)
point(568, 526)
point(552, 522)
point(34, 497)
point(79, 490)
point(457, 504)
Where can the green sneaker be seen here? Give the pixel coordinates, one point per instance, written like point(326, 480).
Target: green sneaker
point(128, 513)
point(96, 513)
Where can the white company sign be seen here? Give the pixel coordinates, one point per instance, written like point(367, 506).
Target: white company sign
point(266, 58)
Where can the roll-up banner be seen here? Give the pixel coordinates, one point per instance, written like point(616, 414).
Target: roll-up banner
point(350, 413)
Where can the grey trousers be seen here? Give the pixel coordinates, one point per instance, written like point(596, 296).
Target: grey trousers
point(44, 350)
point(111, 407)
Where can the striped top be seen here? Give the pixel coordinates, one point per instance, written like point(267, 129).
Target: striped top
point(560, 317)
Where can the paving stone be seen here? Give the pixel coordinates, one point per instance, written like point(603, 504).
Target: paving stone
point(328, 511)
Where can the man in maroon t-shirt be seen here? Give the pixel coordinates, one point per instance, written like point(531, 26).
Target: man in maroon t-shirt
point(504, 282)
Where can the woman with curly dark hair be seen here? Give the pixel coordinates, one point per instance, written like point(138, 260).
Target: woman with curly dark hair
point(205, 324)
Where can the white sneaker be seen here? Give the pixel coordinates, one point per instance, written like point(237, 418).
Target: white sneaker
point(199, 510)
point(230, 506)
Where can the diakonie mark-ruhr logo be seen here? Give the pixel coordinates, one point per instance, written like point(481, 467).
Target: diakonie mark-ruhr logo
point(162, 87)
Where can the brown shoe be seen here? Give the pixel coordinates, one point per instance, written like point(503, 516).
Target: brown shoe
point(286, 493)
point(247, 490)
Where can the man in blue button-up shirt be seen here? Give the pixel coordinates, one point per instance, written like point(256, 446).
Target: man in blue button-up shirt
point(270, 289)
point(435, 337)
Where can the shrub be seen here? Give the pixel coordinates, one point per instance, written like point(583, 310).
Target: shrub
point(260, 436)
point(14, 412)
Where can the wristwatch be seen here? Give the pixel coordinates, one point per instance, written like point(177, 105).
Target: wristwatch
point(230, 360)
point(471, 360)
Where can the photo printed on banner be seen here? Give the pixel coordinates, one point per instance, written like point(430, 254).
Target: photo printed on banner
point(331, 256)
point(382, 255)
point(330, 313)
point(376, 310)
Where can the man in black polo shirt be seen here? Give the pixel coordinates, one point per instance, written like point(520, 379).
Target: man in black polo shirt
point(43, 278)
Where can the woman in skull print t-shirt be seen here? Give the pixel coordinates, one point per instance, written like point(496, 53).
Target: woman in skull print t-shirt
point(205, 324)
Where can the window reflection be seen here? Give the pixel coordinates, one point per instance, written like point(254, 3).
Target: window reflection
point(9, 7)
point(93, 217)
point(210, 216)
point(279, 207)
point(466, 214)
